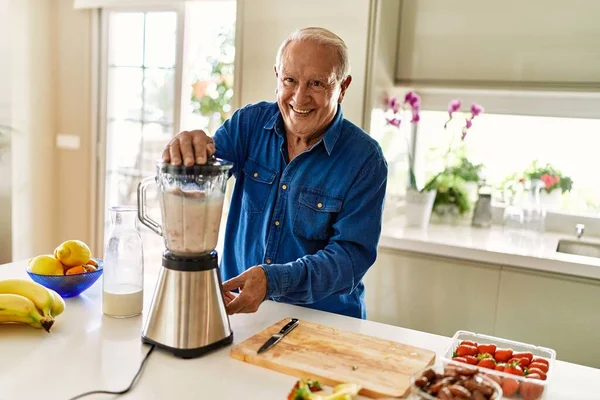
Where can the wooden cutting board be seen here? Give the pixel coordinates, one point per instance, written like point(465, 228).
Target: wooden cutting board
point(333, 356)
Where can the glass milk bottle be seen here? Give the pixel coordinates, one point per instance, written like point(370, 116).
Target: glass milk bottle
point(123, 276)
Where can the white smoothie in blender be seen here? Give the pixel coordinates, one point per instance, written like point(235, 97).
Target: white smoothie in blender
point(191, 221)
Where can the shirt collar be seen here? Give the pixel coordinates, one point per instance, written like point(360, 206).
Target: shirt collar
point(329, 138)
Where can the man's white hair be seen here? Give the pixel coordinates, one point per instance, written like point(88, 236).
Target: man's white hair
point(324, 37)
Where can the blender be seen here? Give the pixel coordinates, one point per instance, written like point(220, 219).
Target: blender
point(187, 316)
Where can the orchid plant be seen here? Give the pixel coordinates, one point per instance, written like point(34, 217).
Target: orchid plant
point(396, 109)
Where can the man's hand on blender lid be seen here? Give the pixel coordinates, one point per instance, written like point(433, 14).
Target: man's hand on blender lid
point(194, 147)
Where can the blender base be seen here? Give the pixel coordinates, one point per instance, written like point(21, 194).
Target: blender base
point(191, 353)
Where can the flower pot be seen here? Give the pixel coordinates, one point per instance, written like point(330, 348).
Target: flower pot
point(550, 201)
point(418, 207)
point(472, 190)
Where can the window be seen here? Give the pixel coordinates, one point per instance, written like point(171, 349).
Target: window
point(516, 129)
point(162, 72)
point(508, 144)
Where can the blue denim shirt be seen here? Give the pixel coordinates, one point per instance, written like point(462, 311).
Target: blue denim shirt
point(314, 223)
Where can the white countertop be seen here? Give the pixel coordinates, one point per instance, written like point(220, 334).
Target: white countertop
point(86, 350)
point(490, 245)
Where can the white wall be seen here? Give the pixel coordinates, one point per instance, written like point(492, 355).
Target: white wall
point(5, 170)
point(266, 23)
point(34, 186)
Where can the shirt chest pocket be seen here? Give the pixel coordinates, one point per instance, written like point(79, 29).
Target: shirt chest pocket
point(258, 182)
point(315, 215)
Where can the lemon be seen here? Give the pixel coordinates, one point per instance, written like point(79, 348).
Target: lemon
point(46, 264)
point(72, 253)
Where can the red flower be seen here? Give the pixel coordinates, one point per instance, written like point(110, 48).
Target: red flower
point(549, 180)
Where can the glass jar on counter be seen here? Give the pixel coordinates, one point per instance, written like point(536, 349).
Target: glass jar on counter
point(123, 279)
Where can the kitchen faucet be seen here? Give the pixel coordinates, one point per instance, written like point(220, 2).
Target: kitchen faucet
point(580, 228)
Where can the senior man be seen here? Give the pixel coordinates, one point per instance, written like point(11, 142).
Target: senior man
point(306, 209)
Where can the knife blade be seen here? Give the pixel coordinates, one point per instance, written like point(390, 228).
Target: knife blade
point(279, 335)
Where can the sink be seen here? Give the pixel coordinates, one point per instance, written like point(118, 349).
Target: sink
point(579, 247)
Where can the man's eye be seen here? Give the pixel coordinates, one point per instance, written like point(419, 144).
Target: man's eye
point(289, 80)
point(317, 83)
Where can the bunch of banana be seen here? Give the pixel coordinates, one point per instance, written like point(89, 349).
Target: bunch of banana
point(28, 302)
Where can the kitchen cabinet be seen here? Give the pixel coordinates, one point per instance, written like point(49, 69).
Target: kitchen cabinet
point(508, 43)
point(431, 294)
point(551, 310)
point(441, 295)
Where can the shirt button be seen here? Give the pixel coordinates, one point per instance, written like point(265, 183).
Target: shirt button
point(268, 261)
point(276, 223)
point(319, 205)
point(284, 187)
point(255, 174)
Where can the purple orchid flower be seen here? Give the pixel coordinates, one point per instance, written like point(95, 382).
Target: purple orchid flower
point(412, 98)
point(394, 122)
point(476, 109)
point(454, 106)
point(393, 104)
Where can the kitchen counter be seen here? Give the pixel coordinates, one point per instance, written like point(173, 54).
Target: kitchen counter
point(492, 245)
point(86, 350)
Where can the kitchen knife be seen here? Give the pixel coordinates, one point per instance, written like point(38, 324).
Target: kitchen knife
point(279, 335)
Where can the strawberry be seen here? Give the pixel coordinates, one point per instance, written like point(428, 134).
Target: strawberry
point(503, 355)
point(487, 348)
point(527, 354)
point(471, 360)
point(539, 365)
point(487, 363)
point(466, 350)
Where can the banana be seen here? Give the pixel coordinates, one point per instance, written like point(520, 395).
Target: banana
point(59, 303)
point(17, 308)
point(38, 294)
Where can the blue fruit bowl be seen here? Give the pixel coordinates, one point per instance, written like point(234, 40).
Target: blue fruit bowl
point(69, 285)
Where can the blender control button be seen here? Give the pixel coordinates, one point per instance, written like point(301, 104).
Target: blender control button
point(284, 187)
point(268, 261)
point(319, 205)
point(255, 174)
point(276, 223)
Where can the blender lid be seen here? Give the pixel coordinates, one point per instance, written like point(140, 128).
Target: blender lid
point(213, 166)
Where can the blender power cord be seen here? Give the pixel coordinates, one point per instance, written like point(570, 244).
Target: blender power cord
point(120, 392)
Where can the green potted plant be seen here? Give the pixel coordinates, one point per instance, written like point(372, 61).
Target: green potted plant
point(456, 185)
point(452, 200)
point(471, 173)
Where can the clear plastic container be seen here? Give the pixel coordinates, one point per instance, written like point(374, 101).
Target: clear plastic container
point(416, 393)
point(526, 388)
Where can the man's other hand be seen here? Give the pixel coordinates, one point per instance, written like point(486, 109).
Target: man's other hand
point(253, 290)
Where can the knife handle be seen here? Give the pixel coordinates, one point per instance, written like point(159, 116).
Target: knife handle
point(287, 326)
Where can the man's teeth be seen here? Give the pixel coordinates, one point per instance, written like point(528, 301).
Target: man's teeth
point(299, 111)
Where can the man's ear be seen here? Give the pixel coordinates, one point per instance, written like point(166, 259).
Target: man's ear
point(344, 86)
point(275, 69)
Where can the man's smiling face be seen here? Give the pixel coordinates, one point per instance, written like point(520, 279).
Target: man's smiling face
point(308, 90)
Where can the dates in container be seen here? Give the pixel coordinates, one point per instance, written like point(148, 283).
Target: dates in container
point(454, 382)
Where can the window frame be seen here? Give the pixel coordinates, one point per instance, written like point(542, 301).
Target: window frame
point(100, 98)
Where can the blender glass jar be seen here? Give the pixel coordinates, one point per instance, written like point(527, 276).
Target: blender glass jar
point(191, 200)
